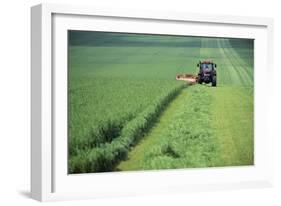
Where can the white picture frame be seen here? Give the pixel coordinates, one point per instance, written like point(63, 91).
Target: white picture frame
point(49, 178)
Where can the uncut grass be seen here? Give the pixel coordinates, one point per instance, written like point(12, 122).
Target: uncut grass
point(105, 157)
point(98, 112)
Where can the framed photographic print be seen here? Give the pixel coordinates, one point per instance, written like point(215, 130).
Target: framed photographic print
point(137, 102)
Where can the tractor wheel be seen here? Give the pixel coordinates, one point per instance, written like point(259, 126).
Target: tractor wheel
point(200, 79)
point(214, 81)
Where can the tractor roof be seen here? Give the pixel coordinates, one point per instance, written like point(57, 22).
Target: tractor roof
point(207, 62)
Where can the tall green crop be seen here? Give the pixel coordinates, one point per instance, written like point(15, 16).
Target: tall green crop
point(105, 157)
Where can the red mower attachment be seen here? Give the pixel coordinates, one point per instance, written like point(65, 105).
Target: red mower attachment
point(189, 78)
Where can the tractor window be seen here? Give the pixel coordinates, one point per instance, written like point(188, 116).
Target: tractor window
point(206, 66)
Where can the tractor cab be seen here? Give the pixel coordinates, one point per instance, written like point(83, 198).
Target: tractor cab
point(206, 67)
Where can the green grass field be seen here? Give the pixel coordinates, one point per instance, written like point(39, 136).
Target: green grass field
point(127, 112)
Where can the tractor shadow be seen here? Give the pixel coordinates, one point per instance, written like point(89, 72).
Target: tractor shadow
point(208, 85)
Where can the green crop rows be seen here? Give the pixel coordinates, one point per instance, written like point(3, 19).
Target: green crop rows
point(122, 86)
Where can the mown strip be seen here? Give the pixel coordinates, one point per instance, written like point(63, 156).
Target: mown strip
point(105, 157)
point(241, 71)
point(233, 125)
point(240, 62)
